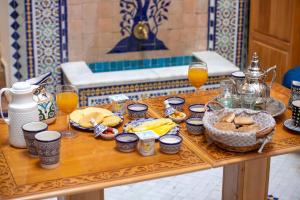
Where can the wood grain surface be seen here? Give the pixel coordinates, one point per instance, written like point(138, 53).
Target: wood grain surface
point(88, 164)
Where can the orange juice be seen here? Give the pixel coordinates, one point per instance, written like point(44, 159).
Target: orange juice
point(197, 76)
point(67, 101)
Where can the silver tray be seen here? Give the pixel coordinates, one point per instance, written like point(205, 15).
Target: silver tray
point(274, 106)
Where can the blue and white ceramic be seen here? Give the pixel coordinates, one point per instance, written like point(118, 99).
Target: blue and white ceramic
point(289, 124)
point(197, 110)
point(77, 126)
point(295, 92)
point(296, 112)
point(48, 146)
point(137, 110)
point(137, 122)
point(194, 125)
point(176, 102)
point(126, 142)
point(30, 130)
point(170, 144)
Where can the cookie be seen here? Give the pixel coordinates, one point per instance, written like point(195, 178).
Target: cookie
point(229, 117)
point(225, 126)
point(76, 115)
point(85, 120)
point(111, 121)
point(249, 128)
point(243, 120)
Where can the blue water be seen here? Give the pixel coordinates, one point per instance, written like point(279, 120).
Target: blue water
point(140, 64)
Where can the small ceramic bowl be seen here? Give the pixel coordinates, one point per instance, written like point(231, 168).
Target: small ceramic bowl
point(137, 110)
point(178, 119)
point(170, 144)
point(176, 102)
point(194, 125)
point(197, 110)
point(126, 142)
point(109, 136)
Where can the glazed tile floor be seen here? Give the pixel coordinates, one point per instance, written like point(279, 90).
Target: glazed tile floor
point(207, 185)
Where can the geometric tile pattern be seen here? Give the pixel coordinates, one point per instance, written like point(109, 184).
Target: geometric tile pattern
point(15, 37)
point(227, 29)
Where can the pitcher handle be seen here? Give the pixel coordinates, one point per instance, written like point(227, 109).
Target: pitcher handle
point(6, 120)
point(274, 74)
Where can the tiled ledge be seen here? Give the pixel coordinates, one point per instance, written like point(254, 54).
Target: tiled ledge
point(80, 75)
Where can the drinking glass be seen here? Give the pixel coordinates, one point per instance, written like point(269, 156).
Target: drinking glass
point(226, 96)
point(67, 100)
point(248, 99)
point(197, 74)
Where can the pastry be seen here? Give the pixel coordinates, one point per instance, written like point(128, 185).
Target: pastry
point(85, 120)
point(243, 120)
point(249, 128)
point(225, 126)
point(111, 120)
point(229, 117)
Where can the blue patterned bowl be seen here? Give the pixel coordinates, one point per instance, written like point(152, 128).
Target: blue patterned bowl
point(170, 144)
point(197, 110)
point(137, 110)
point(194, 125)
point(126, 142)
point(176, 102)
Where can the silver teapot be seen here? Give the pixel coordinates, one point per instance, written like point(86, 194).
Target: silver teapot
point(255, 84)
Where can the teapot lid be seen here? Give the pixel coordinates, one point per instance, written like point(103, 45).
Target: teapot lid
point(254, 69)
point(21, 87)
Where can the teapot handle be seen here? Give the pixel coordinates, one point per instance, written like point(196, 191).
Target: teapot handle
point(274, 74)
point(6, 120)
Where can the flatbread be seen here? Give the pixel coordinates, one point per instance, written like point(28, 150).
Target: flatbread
point(76, 115)
point(243, 120)
point(229, 117)
point(225, 126)
point(85, 120)
point(249, 128)
point(111, 121)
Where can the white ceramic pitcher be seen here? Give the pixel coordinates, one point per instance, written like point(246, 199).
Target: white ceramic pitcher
point(21, 110)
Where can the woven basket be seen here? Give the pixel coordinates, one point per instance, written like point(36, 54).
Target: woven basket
point(239, 141)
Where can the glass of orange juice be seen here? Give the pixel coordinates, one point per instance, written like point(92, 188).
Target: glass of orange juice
point(197, 74)
point(67, 100)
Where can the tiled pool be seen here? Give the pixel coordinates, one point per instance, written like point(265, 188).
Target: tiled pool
point(141, 64)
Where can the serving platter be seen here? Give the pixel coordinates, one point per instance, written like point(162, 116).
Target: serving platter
point(137, 122)
point(77, 126)
point(274, 106)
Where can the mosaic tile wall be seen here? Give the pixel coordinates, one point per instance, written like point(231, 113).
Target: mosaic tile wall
point(40, 32)
point(97, 27)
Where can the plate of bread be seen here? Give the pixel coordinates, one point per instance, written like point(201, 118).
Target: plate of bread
point(239, 129)
point(81, 118)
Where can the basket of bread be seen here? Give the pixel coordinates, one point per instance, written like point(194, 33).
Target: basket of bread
point(239, 129)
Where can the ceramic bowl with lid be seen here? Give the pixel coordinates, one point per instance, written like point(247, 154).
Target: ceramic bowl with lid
point(126, 142)
point(170, 144)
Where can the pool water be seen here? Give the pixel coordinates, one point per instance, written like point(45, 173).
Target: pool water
point(141, 64)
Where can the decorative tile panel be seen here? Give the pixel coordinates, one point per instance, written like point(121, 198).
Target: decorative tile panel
point(227, 29)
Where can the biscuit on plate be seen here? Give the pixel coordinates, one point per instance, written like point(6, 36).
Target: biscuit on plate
point(243, 120)
point(229, 117)
point(249, 128)
point(225, 126)
point(76, 115)
point(111, 120)
point(85, 120)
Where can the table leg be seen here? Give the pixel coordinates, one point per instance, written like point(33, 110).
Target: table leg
point(246, 180)
point(93, 195)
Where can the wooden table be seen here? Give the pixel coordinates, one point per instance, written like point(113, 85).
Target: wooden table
point(89, 165)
